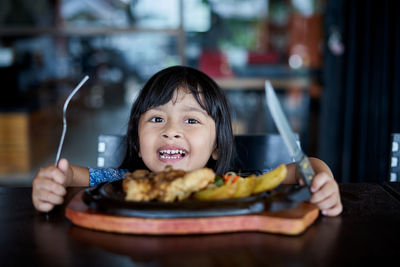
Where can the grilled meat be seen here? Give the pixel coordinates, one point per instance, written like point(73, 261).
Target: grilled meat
point(167, 186)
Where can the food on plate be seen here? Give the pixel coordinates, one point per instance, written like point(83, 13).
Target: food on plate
point(235, 186)
point(166, 186)
point(170, 185)
point(244, 186)
point(216, 192)
point(270, 180)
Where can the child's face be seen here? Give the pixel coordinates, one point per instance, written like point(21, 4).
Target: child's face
point(179, 133)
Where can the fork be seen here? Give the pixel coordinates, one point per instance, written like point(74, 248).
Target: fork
point(65, 117)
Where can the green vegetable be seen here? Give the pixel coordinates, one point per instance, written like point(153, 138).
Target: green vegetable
point(218, 180)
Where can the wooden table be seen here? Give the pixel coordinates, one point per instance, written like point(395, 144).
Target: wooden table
point(367, 232)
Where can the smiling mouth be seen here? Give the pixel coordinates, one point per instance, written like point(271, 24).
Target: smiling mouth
point(172, 154)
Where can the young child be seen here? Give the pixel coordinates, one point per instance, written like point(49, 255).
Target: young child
point(180, 118)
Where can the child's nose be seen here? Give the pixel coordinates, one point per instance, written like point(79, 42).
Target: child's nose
point(170, 135)
point(171, 131)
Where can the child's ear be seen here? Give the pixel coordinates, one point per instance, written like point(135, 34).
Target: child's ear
point(139, 154)
point(214, 155)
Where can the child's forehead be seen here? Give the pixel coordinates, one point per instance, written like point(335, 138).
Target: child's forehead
point(183, 94)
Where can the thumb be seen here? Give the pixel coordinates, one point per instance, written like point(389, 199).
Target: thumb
point(66, 169)
point(63, 165)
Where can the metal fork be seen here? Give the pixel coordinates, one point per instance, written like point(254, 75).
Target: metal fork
point(65, 119)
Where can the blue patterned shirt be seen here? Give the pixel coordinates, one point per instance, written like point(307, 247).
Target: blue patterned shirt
point(97, 176)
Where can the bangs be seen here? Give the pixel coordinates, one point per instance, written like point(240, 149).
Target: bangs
point(161, 92)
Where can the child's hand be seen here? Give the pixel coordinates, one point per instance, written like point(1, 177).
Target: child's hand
point(325, 194)
point(48, 185)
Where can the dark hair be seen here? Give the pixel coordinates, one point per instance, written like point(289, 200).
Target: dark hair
point(160, 89)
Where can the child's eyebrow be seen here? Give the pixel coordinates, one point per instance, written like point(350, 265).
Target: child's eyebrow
point(185, 109)
point(195, 109)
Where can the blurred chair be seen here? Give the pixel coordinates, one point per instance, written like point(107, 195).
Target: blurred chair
point(254, 152)
point(110, 150)
point(394, 169)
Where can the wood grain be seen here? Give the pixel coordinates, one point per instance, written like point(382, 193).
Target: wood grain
point(27, 138)
point(289, 222)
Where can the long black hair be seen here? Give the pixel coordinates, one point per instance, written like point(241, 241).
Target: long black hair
point(160, 89)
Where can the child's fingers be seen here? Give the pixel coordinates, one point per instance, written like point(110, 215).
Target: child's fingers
point(326, 195)
point(54, 174)
point(329, 206)
point(323, 193)
point(49, 197)
point(43, 206)
point(334, 211)
point(47, 191)
point(44, 200)
point(49, 185)
point(327, 203)
point(318, 181)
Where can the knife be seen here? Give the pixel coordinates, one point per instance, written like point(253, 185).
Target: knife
point(302, 163)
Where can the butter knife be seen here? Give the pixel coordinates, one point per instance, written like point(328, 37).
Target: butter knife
point(302, 163)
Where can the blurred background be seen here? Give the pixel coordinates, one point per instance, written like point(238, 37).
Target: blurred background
point(335, 65)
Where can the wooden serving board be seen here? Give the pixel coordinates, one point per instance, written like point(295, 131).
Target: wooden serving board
point(288, 222)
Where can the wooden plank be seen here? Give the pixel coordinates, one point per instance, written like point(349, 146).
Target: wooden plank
point(13, 128)
point(289, 222)
point(26, 138)
point(14, 142)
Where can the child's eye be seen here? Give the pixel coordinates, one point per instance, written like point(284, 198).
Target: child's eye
point(156, 119)
point(191, 121)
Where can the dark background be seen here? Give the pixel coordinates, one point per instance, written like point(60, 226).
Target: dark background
point(342, 100)
point(360, 104)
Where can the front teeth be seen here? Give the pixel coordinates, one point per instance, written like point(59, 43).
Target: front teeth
point(164, 154)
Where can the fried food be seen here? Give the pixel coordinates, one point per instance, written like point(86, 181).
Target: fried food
point(270, 180)
point(244, 187)
point(167, 186)
point(216, 192)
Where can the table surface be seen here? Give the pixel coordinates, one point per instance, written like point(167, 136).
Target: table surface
point(367, 232)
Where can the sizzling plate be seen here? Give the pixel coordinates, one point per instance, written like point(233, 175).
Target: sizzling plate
point(108, 197)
